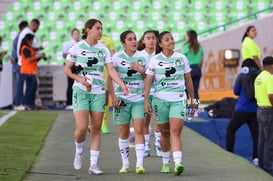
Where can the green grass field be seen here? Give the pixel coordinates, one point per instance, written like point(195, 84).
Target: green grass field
point(21, 139)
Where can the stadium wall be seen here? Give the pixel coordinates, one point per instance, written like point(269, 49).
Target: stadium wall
point(217, 81)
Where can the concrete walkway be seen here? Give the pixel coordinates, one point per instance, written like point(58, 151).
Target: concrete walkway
point(203, 160)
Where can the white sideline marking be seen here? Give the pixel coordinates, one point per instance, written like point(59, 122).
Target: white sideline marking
point(6, 117)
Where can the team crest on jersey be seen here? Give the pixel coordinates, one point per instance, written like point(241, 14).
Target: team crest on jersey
point(178, 63)
point(140, 62)
point(100, 54)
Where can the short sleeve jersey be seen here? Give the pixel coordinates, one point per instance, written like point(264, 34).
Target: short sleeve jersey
point(92, 59)
point(263, 86)
point(250, 49)
point(193, 58)
point(133, 79)
point(168, 74)
point(149, 56)
point(108, 42)
point(68, 45)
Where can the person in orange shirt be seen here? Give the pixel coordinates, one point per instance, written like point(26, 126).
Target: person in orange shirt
point(29, 70)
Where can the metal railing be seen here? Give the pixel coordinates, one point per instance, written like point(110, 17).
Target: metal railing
point(224, 27)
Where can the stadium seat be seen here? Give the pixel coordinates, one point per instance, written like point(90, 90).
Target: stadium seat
point(240, 8)
point(157, 6)
point(260, 5)
point(3, 26)
point(10, 16)
point(198, 5)
point(174, 15)
point(180, 6)
point(16, 6)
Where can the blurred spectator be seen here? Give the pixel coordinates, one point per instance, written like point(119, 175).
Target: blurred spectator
point(30, 29)
point(194, 52)
point(249, 47)
point(28, 70)
point(75, 37)
point(14, 60)
point(264, 96)
point(245, 108)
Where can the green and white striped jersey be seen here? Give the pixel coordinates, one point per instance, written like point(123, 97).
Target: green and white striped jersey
point(133, 79)
point(168, 74)
point(92, 59)
point(149, 56)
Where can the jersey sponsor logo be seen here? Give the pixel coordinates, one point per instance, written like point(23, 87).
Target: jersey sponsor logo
point(83, 53)
point(130, 72)
point(160, 64)
point(169, 71)
point(169, 84)
point(123, 63)
point(134, 83)
point(91, 61)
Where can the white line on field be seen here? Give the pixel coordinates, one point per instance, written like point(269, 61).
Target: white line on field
point(6, 117)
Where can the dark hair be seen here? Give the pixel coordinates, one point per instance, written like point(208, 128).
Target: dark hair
point(36, 21)
point(140, 44)
point(193, 42)
point(267, 61)
point(74, 29)
point(123, 35)
point(22, 25)
point(249, 63)
point(88, 25)
point(247, 31)
point(158, 49)
point(26, 39)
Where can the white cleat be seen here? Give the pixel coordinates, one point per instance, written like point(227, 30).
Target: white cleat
point(95, 170)
point(78, 161)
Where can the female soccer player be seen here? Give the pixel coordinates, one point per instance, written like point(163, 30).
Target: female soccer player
point(170, 73)
point(85, 62)
point(130, 64)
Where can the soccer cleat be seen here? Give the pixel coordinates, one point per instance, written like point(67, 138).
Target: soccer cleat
point(104, 129)
point(165, 168)
point(78, 161)
point(95, 170)
point(19, 108)
point(256, 161)
point(178, 169)
point(146, 152)
point(158, 150)
point(140, 170)
point(124, 170)
point(69, 107)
